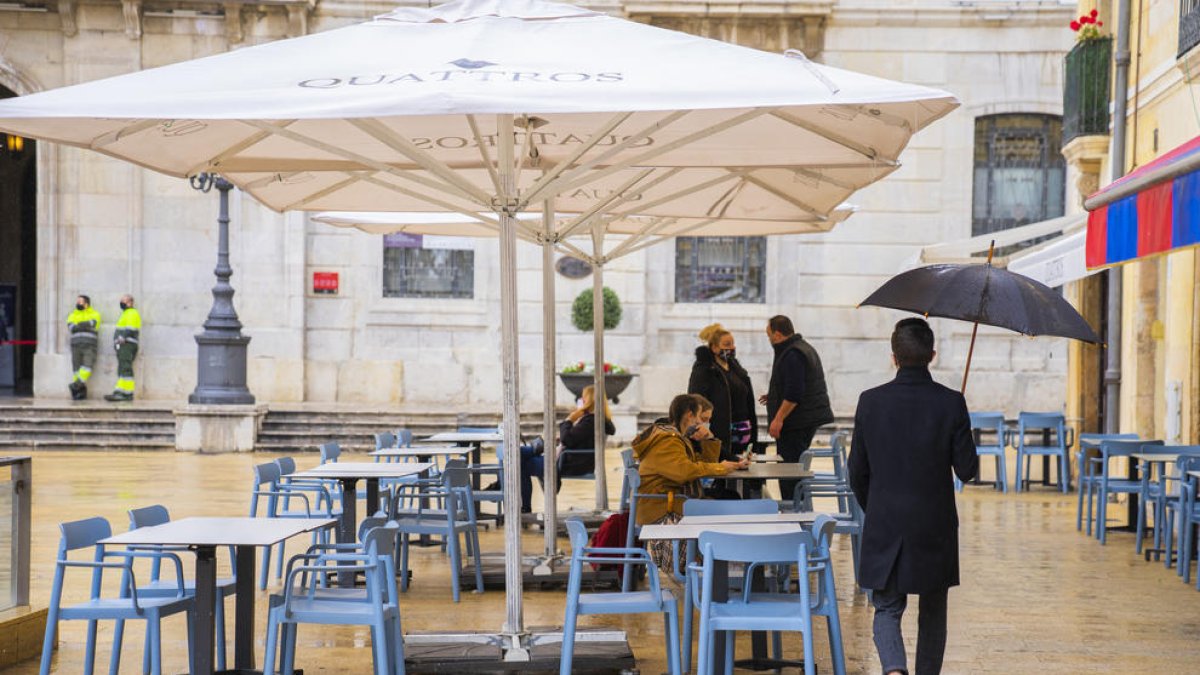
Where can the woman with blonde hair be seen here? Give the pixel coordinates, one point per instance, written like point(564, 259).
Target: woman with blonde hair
point(577, 432)
point(718, 377)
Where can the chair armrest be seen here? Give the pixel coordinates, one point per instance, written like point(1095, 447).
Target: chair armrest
point(288, 494)
point(153, 555)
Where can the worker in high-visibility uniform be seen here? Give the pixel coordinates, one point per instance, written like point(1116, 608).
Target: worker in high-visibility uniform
point(84, 326)
point(125, 341)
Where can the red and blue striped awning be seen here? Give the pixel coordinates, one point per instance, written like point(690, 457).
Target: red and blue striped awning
point(1152, 210)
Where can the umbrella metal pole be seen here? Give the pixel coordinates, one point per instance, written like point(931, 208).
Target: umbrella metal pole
point(549, 348)
point(598, 374)
point(514, 624)
point(975, 328)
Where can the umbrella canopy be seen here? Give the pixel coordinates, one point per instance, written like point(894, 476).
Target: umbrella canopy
point(984, 294)
point(490, 105)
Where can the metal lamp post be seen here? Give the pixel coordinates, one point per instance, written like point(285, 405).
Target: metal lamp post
point(221, 366)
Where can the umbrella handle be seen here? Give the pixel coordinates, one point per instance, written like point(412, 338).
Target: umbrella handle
point(970, 353)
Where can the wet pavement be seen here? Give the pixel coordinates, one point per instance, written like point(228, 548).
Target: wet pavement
point(1037, 597)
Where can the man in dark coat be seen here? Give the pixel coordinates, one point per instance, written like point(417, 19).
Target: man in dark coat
point(797, 400)
point(908, 436)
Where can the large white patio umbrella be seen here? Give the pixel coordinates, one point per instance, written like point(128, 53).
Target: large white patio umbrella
point(499, 106)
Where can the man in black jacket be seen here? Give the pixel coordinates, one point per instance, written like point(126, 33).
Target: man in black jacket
point(908, 436)
point(797, 400)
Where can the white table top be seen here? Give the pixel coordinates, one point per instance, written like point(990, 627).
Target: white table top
point(364, 470)
point(422, 451)
point(240, 531)
point(1168, 457)
point(1194, 474)
point(765, 458)
point(736, 518)
point(769, 470)
point(679, 531)
point(467, 437)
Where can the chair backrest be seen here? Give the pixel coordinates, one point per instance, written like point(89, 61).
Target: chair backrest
point(404, 438)
point(579, 536)
point(477, 430)
point(633, 484)
point(148, 516)
point(287, 466)
point(992, 422)
point(385, 441)
point(1126, 448)
point(627, 459)
point(85, 533)
point(756, 548)
point(725, 507)
point(1093, 441)
point(1172, 449)
point(266, 474)
point(330, 452)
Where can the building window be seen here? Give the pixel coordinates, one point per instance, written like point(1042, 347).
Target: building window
point(416, 266)
point(1019, 171)
point(720, 269)
point(1189, 25)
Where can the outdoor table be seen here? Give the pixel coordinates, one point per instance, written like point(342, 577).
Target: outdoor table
point(737, 518)
point(204, 536)
point(754, 457)
point(422, 452)
point(349, 473)
point(689, 528)
point(758, 471)
point(475, 439)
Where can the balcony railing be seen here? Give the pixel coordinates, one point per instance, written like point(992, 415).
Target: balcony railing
point(1189, 25)
point(15, 478)
point(1086, 89)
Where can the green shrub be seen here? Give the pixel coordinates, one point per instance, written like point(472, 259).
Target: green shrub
point(581, 310)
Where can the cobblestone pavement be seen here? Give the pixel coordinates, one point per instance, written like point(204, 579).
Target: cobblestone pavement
point(1037, 596)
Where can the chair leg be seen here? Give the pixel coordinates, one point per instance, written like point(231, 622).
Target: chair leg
point(265, 569)
point(270, 651)
point(568, 642)
point(703, 648)
point(379, 647)
point(1091, 516)
point(155, 625)
point(1079, 507)
point(404, 562)
point(48, 638)
point(474, 535)
point(1140, 529)
point(89, 657)
point(730, 642)
point(810, 668)
point(686, 643)
point(1102, 514)
point(114, 661)
point(1002, 471)
point(146, 665)
point(1064, 472)
point(452, 547)
point(289, 648)
point(673, 639)
point(1185, 551)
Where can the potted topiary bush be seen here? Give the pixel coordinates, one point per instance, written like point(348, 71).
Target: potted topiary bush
point(578, 375)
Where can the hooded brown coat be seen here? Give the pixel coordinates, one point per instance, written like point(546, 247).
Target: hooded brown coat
point(670, 465)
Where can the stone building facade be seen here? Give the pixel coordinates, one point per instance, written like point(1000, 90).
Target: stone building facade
point(105, 228)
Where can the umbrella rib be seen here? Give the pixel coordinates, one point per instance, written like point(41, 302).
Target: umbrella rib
point(483, 152)
point(618, 196)
point(750, 178)
point(363, 160)
point(380, 132)
point(576, 176)
point(822, 178)
point(645, 157)
point(649, 230)
point(864, 150)
point(574, 250)
point(554, 172)
point(643, 208)
point(426, 198)
point(214, 163)
point(354, 178)
point(682, 233)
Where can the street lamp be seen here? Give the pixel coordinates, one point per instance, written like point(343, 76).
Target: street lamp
point(221, 363)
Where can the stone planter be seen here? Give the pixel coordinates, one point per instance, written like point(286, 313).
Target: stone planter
point(613, 384)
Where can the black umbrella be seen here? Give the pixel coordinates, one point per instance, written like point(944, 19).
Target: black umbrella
point(983, 294)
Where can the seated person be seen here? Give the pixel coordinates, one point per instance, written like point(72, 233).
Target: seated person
point(577, 432)
point(673, 455)
point(713, 489)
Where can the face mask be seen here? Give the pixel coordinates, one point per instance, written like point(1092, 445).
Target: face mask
point(79, 306)
point(124, 307)
point(728, 354)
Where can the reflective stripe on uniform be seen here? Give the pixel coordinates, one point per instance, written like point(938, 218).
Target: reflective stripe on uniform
point(83, 373)
point(125, 384)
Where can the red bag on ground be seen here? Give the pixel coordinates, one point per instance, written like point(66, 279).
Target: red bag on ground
point(611, 534)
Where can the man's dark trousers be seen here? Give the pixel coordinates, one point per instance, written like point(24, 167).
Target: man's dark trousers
point(790, 445)
point(931, 630)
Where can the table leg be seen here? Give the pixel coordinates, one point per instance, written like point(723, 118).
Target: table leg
point(476, 460)
point(372, 496)
point(206, 592)
point(243, 615)
point(720, 586)
point(346, 524)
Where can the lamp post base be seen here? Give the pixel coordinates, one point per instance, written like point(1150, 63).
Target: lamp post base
point(221, 371)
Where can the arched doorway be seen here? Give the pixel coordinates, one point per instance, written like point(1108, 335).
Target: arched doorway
point(18, 262)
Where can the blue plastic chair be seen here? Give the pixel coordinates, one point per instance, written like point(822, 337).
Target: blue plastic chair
point(1153, 494)
point(497, 470)
point(130, 606)
point(454, 517)
point(1026, 423)
point(711, 507)
point(991, 422)
point(305, 600)
point(628, 461)
point(404, 438)
point(150, 516)
point(765, 611)
point(315, 500)
point(633, 482)
point(1187, 510)
point(1089, 446)
point(1106, 484)
point(330, 452)
point(652, 601)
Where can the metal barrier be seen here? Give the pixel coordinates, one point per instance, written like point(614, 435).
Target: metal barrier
point(16, 486)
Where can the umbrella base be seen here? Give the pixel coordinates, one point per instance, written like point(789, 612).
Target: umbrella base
point(493, 575)
point(596, 651)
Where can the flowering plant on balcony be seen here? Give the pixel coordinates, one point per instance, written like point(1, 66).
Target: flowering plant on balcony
point(588, 367)
point(1087, 27)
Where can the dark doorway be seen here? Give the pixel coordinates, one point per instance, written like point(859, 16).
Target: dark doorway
point(18, 262)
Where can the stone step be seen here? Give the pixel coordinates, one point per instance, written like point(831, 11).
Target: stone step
point(88, 436)
point(57, 444)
